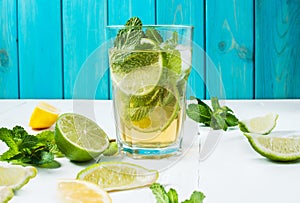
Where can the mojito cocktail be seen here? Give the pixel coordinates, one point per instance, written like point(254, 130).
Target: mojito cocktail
point(149, 67)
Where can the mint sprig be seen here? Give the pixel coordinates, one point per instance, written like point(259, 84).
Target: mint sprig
point(172, 197)
point(219, 117)
point(26, 149)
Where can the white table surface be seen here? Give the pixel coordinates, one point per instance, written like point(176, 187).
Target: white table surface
point(233, 172)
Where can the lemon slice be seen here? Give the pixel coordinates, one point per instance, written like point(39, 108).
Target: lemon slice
point(15, 176)
point(43, 116)
point(260, 125)
point(79, 138)
point(277, 146)
point(6, 194)
point(113, 176)
point(71, 191)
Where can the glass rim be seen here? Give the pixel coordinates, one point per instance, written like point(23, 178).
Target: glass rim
point(153, 26)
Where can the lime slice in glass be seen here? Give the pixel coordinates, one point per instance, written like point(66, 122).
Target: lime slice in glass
point(114, 176)
point(277, 146)
point(79, 138)
point(155, 113)
point(260, 125)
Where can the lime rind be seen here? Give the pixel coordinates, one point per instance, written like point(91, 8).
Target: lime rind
point(6, 194)
point(260, 125)
point(117, 176)
point(282, 148)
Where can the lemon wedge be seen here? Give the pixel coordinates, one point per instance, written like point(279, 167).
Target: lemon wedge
point(43, 116)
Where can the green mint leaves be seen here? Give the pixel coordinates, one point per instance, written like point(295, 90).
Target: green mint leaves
point(172, 197)
point(26, 149)
point(219, 117)
point(129, 36)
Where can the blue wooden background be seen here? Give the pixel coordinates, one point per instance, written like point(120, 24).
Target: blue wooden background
point(252, 46)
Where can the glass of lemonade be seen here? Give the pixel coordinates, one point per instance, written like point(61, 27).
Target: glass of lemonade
point(149, 68)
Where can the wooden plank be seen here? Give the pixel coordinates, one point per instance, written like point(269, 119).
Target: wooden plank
point(188, 12)
point(119, 11)
point(277, 61)
point(83, 32)
point(40, 60)
point(8, 50)
point(229, 38)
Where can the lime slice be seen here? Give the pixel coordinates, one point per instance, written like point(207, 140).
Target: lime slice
point(260, 125)
point(15, 176)
point(81, 191)
point(154, 115)
point(6, 194)
point(277, 146)
point(133, 70)
point(79, 138)
point(114, 176)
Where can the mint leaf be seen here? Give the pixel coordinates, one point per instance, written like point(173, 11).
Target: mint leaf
point(130, 36)
point(6, 137)
point(196, 197)
point(160, 193)
point(173, 196)
point(199, 113)
point(154, 35)
point(219, 117)
point(27, 149)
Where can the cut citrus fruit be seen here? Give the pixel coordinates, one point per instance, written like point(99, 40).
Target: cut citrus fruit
point(154, 113)
point(277, 146)
point(71, 191)
point(79, 138)
point(6, 194)
point(260, 125)
point(15, 176)
point(43, 116)
point(113, 176)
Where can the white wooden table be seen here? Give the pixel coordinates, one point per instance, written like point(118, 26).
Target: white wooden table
point(231, 172)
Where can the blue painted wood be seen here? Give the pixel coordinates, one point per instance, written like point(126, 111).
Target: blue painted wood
point(229, 36)
point(119, 11)
point(40, 60)
point(188, 12)
point(83, 32)
point(277, 57)
point(8, 50)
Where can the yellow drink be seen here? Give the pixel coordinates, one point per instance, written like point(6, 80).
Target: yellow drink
point(149, 70)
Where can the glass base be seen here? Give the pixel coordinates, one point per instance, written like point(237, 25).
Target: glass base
point(150, 153)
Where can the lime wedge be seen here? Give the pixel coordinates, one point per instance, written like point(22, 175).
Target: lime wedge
point(277, 146)
point(81, 191)
point(15, 176)
point(6, 194)
point(114, 176)
point(79, 138)
point(260, 125)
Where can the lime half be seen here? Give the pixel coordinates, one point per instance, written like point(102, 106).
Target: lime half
point(15, 176)
point(277, 146)
point(79, 138)
point(260, 125)
point(114, 176)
